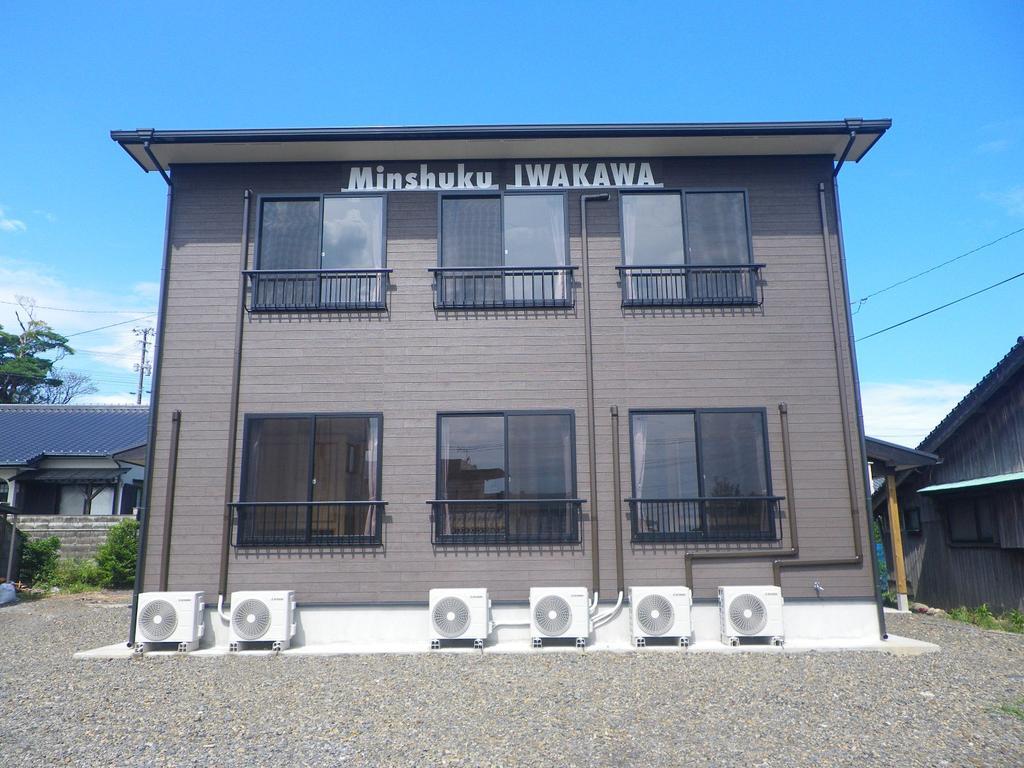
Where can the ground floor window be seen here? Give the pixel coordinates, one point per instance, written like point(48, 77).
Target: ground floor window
point(972, 521)
point(701, 475)
point(506, 477)
point(310, 480)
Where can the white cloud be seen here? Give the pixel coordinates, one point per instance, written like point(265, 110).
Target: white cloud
point(50, 217)
point(905, 412)
point(993, 147)
point(1012, 200)
point(107, 356)
point(121, 398)
point(8, 224)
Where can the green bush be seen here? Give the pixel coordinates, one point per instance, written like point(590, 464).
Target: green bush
point(982, 616)
point(116, 558)
point(72, 574)
point(38, 559)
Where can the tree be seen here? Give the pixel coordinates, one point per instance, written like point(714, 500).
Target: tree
point(24, 371)
point(72, 385)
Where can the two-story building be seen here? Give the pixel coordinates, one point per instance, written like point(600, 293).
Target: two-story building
point(393, 359)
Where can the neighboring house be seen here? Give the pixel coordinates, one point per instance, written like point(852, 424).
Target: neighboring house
point(72, 459)
point(393, 359)
point(964, 517)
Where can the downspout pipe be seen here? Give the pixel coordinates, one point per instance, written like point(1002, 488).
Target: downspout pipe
point(236, 375)
point(152, 158)
point(154, 411)
point(588, 335)
point(857, 399)
point(620, 580)
point(172, 479)
point(853, 125)
point(844, 407)
point(794, 547)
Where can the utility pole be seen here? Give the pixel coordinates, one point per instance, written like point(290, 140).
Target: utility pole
point(144, 368)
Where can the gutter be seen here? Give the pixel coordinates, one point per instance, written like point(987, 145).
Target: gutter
point(154, 402)
point(152, 159)
point(464, 132)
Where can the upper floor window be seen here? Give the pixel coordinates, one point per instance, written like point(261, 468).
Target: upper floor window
point(506, 478)
point(701, 475)
point(310, 480)
point(503, 250)
point(5, 491)
point(972, 521)
point(687, 248)
point(320, 253)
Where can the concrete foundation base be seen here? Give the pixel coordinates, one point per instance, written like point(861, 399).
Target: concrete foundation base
point(820, 625)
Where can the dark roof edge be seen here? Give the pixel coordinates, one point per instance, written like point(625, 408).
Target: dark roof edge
point(441, 132)
point(990, 383)
point(899, 455)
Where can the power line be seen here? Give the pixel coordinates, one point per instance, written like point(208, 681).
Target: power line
point(936, 309)
point(859, 302)
point(68, 309)
point(104, 327)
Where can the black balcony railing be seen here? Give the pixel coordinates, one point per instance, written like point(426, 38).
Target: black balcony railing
point(742, 518)
point(502, 287)
point(308, 523)
point(310, 290)
point(691, 286)
point(506, 521)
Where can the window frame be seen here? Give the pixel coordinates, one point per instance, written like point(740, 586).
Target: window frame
point(378, 503)
point(501, 194)
point(763, 412)
point(5, 491)
point(685, 266)
point(505, 414)
point(320, 197)
point(698, 446)
point(959, 507)
point(681, 193)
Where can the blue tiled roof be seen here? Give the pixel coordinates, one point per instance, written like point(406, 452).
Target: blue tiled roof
point(28, 432)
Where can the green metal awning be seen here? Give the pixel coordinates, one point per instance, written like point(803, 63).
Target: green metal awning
point(980, 482)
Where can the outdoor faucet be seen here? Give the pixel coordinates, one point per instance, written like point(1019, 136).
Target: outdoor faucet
point(818, 588)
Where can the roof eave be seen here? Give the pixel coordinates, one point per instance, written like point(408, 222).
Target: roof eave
point(132, 140)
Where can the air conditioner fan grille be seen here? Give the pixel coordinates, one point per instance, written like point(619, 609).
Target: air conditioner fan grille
point(158, 620)
point(251, 619)
point(654, 614)
point(552, 615)
point(748, 614)
point(450, 617)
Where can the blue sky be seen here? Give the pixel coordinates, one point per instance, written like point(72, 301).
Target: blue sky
point(81, 225)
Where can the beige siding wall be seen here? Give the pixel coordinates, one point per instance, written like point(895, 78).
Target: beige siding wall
point(413, 362)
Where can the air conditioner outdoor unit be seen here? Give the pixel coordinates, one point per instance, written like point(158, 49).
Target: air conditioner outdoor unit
point(262, 617)
point(661, 612)
point(751, 612)
point(169, 617)
point(559, 612)
point(460, 614)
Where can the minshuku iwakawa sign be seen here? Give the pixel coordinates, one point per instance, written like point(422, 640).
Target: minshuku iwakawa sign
point(525, 175)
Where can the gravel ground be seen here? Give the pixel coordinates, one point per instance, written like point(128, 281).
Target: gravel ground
point(595, 709)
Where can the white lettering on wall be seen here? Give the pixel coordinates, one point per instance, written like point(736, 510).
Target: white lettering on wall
point(536, 176)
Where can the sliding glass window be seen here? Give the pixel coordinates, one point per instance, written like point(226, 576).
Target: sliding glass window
point(310, 480)
point(506, 478)
point(701, 475)
point(503, 250)
point(686, 248)
point(323, 252)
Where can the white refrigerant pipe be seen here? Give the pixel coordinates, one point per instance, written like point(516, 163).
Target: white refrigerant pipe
point(602, 618)
point(220, 610)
